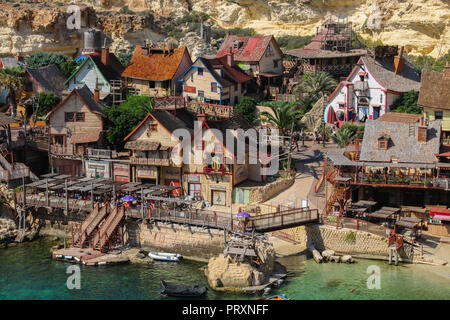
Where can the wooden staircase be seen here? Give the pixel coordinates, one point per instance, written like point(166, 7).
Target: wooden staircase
point(88, 225)
point(108, 229)
point(340, 195)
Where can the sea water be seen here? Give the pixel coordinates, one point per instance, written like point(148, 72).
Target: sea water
point(27, 271)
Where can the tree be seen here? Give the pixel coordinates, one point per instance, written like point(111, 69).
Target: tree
point(46, 103)
point(42, 59)
point(407, 103)
point(354, 128)
point(343, 137)
point(12, 79)
point(316, 84)
point(123, 118)
point(284, 115)
point(124, 58)
point(69, 67)
point(246, 107)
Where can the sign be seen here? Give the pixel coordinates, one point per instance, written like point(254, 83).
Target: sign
point(97, 169)
point(189, 89)
point(172, 174)
point(193, 178)
point(148, 173)
point(121, 172)
point(215, 186)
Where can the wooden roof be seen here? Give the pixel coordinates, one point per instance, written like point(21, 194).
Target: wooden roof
point(157, 66)
point(435, 89)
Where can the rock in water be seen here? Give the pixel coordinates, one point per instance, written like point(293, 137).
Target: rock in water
point(316, 254)
point(335, 259)
point(326, 254)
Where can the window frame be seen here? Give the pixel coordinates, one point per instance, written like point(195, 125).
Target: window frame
point(440, 117)
point(67, 118)
point(200, 71)
point(213, 86)
point(83, 118)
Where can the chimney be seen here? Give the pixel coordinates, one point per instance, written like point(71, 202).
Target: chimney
point(398, 61)
point(230, 58)
point(447, 70)
point(201, 117)
point(96, 91)
point(422, 133)
point(105, 54)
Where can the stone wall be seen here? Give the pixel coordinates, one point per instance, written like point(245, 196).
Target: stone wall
point(359, 243)
point(263, 193)
point(193, 241)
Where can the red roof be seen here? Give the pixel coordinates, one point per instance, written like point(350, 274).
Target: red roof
point(444, 151)
point(252, 48)
point(231, 74)
point(439, 211)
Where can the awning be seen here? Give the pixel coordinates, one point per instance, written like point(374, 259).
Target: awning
point(408, 225)
point(142, 145)
point(441, 217)
point(85, 137)
point(269, 74)
point(439, 211)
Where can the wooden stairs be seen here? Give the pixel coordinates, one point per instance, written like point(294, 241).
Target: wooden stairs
point(107, 232)
point(89, 225)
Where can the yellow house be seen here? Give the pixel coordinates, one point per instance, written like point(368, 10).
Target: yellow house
point(434, 98)
point(216, 80)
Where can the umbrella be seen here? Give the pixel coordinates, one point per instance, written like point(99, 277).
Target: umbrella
point(243, 215)
point(128, 198)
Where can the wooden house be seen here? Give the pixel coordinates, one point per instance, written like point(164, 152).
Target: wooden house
point(434, 98)
point(75, 124)
point(259, 56)
point(48, 79)
point(105, 69)
point(372, 88)
point(216, 80)
point(154, 70)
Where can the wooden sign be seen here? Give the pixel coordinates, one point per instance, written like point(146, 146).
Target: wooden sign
point(189, 89)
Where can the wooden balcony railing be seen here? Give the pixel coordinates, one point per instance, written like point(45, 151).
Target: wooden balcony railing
point(361, 85)
point(100, 153)
point(61, 150)
point(150, 161)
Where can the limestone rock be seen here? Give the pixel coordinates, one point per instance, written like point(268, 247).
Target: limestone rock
point(326, 254)
point(347, 259)
point(335, 259)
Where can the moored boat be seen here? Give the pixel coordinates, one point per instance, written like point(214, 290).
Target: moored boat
point(162, 256)
point(181, 290)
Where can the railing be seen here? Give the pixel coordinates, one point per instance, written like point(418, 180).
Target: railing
point(17, 173)
point(55, 202)
point(61, 150)
point(284, 219)
point(208, 170)
point(328, 68)
point(405, 180)
point(361, 85)
point(100, 153)
point(169, 103)
point(357, 224)
point(210, 109)
point(150, 161)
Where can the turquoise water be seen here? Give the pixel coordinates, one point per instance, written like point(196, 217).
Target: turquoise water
point(28, 272)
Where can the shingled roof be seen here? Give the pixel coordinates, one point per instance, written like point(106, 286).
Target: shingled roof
point(86, 96)
point(400, 117)
point(157, 66)
point(435, 89)
point(231, 74)
point(401, 144)
point(252, 48)
point(383, 71)
point(48, 78)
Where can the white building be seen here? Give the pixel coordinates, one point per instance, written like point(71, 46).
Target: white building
point(371, 89)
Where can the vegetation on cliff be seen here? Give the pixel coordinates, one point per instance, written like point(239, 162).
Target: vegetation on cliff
point(41, 59)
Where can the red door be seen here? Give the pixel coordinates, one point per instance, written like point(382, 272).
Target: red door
point(175, 183)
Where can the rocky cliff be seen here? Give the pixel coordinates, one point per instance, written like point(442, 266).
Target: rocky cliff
point(421, 26)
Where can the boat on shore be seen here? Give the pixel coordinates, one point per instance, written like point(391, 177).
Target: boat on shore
point(163, 256)
point(181, 290)
point(277, 297)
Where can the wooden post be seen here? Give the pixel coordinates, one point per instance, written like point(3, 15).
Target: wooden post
point(47, 200)
point(114, 193)
point(92, 195)
point(67, 196)
point(142, 202)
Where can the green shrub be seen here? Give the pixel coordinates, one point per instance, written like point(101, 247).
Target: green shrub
point(293, 42)
point(246, 107)
point(126, 10)
point(350, 236)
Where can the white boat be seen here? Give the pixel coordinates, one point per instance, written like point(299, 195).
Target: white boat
point(163, 256)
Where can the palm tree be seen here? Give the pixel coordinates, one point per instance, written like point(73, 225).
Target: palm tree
point(12, 79)
point(316, 84)
point(284, 115)
point(343, 137)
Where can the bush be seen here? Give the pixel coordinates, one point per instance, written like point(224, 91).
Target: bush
point(126, 10)
point(124, 58)
point(46, 103)
point(246, 107)
point(350, 236)
point(354, 128)
point(426, 62)
point(293, 42)
point(123, 118)
point(407, 103)
point(42, 59)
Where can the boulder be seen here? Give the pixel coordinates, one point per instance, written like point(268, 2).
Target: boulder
point(347, 259)
point(316, 254)
point(326, 254)
point(335, 259)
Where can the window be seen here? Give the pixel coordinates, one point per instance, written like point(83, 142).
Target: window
point(152, 127)
point(200, 71)
point(275, 63)
point(58, 140)
point(151, 84)
point(213, 87)
point(69, 116)
point(201, 93)
point(218, 197)
point(195, 189)
point(382, 144)
point(269, 51)
point(192, 77)
point(79, 116)
point(438, 115)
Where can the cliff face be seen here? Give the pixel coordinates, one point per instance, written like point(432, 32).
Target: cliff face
point(421, 26)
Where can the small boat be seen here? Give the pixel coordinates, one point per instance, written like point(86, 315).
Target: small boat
point(162, 256)
point(181, 290)
point(277, 297)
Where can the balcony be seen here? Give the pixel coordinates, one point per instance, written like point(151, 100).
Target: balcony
point(209, 170)
point(361, 86)
point(101, 153)
point(405, 181)
point(150, 161)
point(61, 150)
